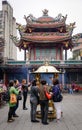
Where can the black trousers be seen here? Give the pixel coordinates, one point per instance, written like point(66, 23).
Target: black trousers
point(33, 110)
point(44, 110)
point(15, 108)
point(24, 99)
point(11, 111)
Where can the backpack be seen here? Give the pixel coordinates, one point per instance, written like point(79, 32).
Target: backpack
point(58, 96)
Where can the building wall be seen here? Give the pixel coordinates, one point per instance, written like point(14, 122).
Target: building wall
point(77, 50)
point(8, 28)
point(46, 53)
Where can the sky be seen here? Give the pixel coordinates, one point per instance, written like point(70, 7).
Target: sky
point(73, 9)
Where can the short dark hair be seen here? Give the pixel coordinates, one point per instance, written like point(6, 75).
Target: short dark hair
point(55, 81)
point(43, 82)
point(15, 81)
point(34, 82)
point(11, 83)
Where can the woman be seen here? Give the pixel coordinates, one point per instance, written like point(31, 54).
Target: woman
point(16, 85)
point(43, 102)
point(34, 97)
point(25, 93)
point(57, 98)
point(12, 90)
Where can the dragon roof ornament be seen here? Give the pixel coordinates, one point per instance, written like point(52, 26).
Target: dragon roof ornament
point(30, 18)
point(45, 12)
point(21, 28)
point(76, 37)
point(15, 39)
point(70, 27)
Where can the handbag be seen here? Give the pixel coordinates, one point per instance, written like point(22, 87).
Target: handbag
point(13, 98)
point(48, 95)
point(19, 96)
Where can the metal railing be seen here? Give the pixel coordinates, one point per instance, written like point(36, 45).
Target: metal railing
point(41, 62)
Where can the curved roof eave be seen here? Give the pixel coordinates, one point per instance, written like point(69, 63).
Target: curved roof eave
point(46, 38)
point(46, 41)
point(45, 25)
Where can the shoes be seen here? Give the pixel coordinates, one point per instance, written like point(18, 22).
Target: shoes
point(45, 123)
point(61, 114)
point(25, 108)
point(34, 121)
point(57, 120)
point(10, 120)
point(15, 115)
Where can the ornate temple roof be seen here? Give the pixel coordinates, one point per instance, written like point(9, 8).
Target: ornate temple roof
point(45, 29)
point(45, 20)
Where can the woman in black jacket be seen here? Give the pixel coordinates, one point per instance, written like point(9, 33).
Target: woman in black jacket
point(25, 92)
point(34, 97)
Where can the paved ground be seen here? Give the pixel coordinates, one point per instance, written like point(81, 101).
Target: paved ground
point(71, 120)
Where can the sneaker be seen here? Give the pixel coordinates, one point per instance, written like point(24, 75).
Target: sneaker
point(25, 108)
point(45, 123)
point(61, 114)
point(15, 115)
point(34, 121)
point(10, 120)
point(58, 120)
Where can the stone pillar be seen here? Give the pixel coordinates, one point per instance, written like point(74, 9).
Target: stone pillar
point(25, 55)
point(65, 54)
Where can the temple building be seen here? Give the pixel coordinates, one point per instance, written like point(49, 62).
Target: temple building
point(45, 37)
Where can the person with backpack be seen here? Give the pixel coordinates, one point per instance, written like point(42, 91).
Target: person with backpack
point(57, 98)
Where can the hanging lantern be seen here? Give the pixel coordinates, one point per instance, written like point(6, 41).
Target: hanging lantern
point(61, 29)
point(30, 30)
point(66, 45)
point(25, 45)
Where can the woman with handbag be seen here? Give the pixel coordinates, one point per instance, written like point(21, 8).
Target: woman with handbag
point(13, 100)
point(16, 85)
point(57, 98)
point(43, 102)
